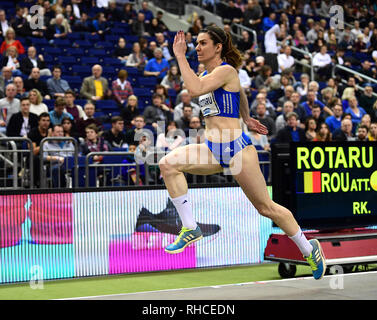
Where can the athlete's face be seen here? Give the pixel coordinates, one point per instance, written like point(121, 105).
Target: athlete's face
point(205, 47)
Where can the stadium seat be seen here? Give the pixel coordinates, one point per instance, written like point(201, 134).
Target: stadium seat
point(89, 60)
point(66, 59)
point(81, 70)
point(147, 82)
point(143, 92)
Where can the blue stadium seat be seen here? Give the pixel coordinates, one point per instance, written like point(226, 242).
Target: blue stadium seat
point(66, 59)
point(107, 105)
point(84, 44)
point(62, 43)
point(143, 92)
point(39, 41)
point(147, 82)
point(52, 51)
point(89, 60)
point(78, 52)
point(82, 70)
point(97, 52)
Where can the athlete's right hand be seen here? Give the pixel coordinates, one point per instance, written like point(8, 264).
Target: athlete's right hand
point(179, 45)
point(255, 125)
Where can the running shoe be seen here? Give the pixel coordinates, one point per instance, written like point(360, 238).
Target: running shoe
point(168, 221)
point(186, 237)
point(316, 260)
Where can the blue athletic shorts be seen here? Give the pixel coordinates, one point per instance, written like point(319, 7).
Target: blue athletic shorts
point(224, 152)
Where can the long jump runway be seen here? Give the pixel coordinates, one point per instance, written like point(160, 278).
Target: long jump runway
point(353, 286)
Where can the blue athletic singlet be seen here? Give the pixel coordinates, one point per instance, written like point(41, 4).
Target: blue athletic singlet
point(220, 102)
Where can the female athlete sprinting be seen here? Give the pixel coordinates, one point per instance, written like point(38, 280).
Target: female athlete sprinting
point(222, 101)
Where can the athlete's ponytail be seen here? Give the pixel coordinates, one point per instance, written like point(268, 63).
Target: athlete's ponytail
point(229, 53)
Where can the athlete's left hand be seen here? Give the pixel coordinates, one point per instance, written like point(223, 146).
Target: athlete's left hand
point(179, 45)
point(255, 125)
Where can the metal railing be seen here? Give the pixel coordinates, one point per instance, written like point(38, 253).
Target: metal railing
point(22, 175)
point(353, 72)
point(56, 168)
point(240, 28)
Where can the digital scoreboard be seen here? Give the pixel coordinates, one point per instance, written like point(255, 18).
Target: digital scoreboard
point(334, 184)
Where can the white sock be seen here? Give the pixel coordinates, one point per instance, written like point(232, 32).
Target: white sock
point(302, 243)
point(184, 208)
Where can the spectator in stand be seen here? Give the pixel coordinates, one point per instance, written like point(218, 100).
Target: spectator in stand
point(245, 80)
point(69, 128)
point(133, 135)
point(65, 23)
point(302, 86)
point(334, 121)
point(137, 58)
point(112, 13)
point(186, 101)
point(33, 61)
point(173, 79)
point(264, 78)
point(367, 99)
point(291, 132)
point(36, 135)
point(311, 101)
point(22, 122)
point(5, 79)
point(317, 115)
point(83, 24)
point(246, 43)
point(196, 27)
point(8, 106)
point(360, 46)
point(11, 60)
point(34, 82)
point(269, 21)
point(287, 96)
point(56, 158)
point(128, 13)
point(121, 52)
point(323, 133)
point(271, 47)
point(10, 41)
point(285, 59)
point(95, 87)
point(265, 119)
point(56, 30)
point(252, 17)
point(140, 27)
point(171, 138)
point(366, 120)
point(163, 44)
point(259, 141)
point(73, 109)
point(56, 85)
point(130, 111)
point(281, 119)
point(57, 115)
point(36, 105)
point(82, 123)
point(148, 49)
point(233, 14)
point(154, 28)
point(4, 25)
point(322, 64)
point(195, 132)
point(115, 137)
point(310, 128)
point(19, 83)
point(122, 88)
point(345, 131)
point(157, 111)
point(157, 67)
point(145, 10)
point(355, 110)
point(261, 98)
point(161, 23)
point(297, 107)
point(373, 132)
point(160, 89)
point(100, 25)
point(184, 122)
point(362, 133)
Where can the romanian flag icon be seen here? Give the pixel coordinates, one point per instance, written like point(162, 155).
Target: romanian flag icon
point(312, 182)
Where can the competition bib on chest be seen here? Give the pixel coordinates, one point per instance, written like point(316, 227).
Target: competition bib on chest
point(208, 105)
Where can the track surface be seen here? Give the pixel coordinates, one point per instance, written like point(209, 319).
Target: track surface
point(354, 286)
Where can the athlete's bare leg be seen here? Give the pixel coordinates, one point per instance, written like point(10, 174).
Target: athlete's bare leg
point(252, 182)
point(194, 159)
